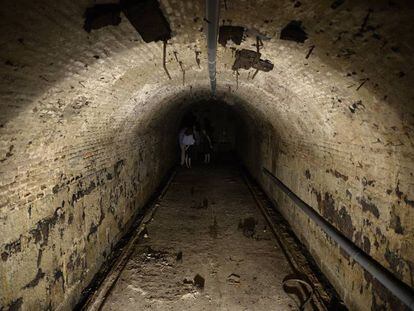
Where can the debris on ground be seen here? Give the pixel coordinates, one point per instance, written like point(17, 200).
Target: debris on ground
point(153, 255)
point(137, 289)
point(355, 106)
point(362, 83)
point(199, 281)
point(144, 233)
point(236, 260)
point(233, 278)
point(189, 296)
point(310, 51)
point(294, 32)
point(188, 282)
point(299, 287)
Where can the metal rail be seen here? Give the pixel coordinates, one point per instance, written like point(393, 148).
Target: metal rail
point(321, 299)
point(212, 20)
point(400, 290)
point(97, 299)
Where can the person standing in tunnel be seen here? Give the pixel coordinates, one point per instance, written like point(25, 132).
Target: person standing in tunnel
point(197, 137)
point(188, 141)
point(182, 146)
point(206, 146)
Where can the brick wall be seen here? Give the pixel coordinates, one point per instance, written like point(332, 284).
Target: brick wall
point(86, 123)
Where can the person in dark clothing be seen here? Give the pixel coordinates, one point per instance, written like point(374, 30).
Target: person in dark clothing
point(206, 146)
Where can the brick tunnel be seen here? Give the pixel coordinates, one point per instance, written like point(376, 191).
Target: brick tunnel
point(97, 214)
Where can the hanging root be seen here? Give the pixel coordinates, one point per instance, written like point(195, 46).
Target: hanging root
point(164, 57)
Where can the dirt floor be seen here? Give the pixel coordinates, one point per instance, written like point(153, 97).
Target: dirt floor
point(207, 248)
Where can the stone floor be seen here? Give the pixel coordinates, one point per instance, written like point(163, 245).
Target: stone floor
point(207, 248)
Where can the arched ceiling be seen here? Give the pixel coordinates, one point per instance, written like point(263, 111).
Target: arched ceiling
point(68, 84)
point(54, 64)
point(350, 102)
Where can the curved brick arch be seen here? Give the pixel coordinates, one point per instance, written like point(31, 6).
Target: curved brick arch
point(83, 116)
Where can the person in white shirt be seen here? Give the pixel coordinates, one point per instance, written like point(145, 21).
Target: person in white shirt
point(188, 142)
point(182, 146)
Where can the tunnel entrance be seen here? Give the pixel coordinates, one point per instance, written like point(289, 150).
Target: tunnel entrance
point(221, 122)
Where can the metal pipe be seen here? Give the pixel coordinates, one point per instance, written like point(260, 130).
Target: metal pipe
point(212, 19)
point(401, 290)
